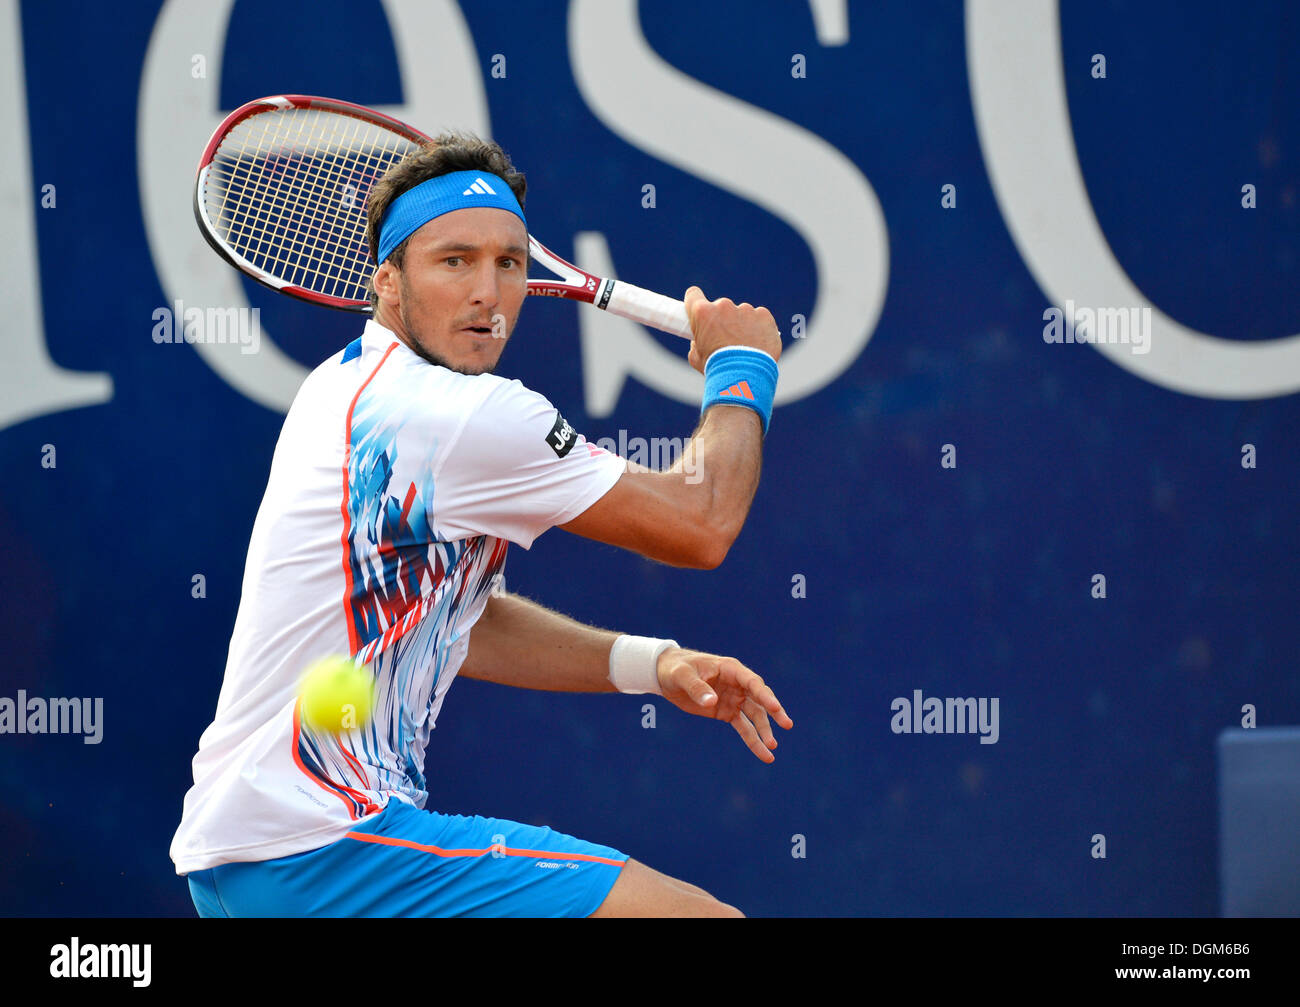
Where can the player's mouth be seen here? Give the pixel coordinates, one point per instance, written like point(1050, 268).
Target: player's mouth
point(485, 331)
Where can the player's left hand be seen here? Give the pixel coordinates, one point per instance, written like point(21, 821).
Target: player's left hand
point(723, 689)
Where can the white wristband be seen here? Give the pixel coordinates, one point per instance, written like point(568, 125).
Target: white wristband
point(634, 662)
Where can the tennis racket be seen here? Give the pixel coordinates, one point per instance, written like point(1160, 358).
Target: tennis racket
point(281, 195)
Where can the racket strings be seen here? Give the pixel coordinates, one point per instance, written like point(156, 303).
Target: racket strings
point(306, 177)
point(305, 249)
point(342, 218)
point(271, 231)
point(288, 192)
point(269, 202)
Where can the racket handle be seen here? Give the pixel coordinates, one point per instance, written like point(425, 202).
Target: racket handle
point(648, 308)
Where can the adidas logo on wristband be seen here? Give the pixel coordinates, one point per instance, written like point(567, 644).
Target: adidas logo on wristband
point(741, 389)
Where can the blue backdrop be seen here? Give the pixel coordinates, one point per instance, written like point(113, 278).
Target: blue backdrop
point(971, 581)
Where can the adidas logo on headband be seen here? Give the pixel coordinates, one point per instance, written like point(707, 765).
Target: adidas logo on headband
point(438, 195)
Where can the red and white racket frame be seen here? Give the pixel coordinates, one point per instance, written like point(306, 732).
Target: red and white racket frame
point(615, 296)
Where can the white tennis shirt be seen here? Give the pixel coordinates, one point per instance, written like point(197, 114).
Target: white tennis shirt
point(394, 492)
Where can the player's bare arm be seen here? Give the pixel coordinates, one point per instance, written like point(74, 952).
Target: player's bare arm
point(689, 515)
point(518, 642)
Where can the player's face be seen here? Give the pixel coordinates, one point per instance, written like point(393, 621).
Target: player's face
point(460, 288)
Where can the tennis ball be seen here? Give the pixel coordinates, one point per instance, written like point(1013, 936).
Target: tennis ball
point(337, 695)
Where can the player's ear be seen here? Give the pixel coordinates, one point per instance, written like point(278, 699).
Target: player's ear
point(386, 282)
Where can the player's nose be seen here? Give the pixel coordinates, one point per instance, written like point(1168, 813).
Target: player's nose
point(486, 289)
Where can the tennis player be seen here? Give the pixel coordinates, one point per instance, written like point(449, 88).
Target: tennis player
point(404, 470)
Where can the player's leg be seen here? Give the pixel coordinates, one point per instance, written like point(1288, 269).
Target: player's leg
point(412, 863)
point(643, 891)
point(408, 862)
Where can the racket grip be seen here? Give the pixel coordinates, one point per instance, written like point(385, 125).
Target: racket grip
point(649, 308)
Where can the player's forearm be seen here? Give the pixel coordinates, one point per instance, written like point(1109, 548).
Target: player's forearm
point(518, 642)
point(722, 463)
point(699, 505)
point(690, 514)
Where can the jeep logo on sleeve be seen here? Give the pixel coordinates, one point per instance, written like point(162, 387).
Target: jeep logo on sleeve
point(562, 436)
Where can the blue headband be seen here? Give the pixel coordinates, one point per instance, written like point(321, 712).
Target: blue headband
point(455, 191)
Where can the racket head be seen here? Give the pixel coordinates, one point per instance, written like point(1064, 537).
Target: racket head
point(280, 193)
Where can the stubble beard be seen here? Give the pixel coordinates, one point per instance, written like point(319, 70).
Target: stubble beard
point(433, 358)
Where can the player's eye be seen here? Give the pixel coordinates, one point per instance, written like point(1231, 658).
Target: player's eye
point(509, 263)
point(453, 260)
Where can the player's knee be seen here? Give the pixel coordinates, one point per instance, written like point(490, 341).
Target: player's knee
point(643, 891)
point(711, 906)
point(704, 904)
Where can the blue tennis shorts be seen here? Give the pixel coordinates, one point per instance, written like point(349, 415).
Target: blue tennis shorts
point(408, 862)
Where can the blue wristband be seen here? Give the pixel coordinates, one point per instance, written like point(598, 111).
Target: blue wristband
point(741, 376)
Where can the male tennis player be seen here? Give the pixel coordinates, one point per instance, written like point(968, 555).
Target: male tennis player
point(403, 471)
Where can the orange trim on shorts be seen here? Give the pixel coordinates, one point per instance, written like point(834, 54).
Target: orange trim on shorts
point(506, 851)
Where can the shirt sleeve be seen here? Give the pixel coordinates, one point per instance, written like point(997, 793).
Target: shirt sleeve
point(516, 469)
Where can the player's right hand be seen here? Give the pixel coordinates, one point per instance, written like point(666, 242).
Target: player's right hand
point(724, 323)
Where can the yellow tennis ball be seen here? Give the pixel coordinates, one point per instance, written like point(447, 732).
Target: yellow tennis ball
point(337, 695)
